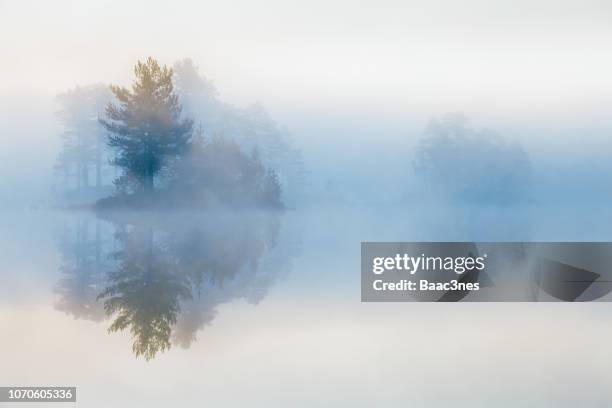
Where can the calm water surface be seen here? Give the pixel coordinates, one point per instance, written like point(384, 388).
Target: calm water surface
point(263, 310)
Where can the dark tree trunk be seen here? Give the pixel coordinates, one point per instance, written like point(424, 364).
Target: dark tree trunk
point(98, 163)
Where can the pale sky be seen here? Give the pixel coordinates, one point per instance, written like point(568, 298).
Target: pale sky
point(474, 54)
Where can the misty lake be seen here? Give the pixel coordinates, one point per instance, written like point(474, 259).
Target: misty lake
point(263, 309)
point(186, 186)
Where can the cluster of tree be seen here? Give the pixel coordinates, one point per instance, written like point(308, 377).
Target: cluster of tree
point(147, 133)
point(472, 166)
point(230, 176)
point(154, 143)
point(83, 162)
point(251, 128)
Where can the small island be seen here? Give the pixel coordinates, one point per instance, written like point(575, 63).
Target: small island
point(168, 142)
point(165, 164)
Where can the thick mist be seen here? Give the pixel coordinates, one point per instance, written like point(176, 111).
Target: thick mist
point(227, 256)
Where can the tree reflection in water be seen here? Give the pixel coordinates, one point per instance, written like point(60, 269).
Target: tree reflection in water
point(83, 246)
point(169, 272)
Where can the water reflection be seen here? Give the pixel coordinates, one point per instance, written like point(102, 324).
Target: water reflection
point(163, 276)
point(84, 260)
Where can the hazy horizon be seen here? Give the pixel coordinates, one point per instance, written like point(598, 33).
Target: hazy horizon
point(390, 56)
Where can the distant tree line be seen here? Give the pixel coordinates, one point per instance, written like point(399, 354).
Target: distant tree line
point(472, 166)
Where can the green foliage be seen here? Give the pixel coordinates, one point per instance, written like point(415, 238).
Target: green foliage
point(162, 166)
point(146, 126)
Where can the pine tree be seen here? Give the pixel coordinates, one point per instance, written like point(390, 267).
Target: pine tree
point(146, 126)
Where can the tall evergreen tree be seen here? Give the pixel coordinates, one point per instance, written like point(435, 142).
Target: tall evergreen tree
point(146, 126)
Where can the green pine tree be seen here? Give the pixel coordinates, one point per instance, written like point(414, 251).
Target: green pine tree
point(146, 127)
